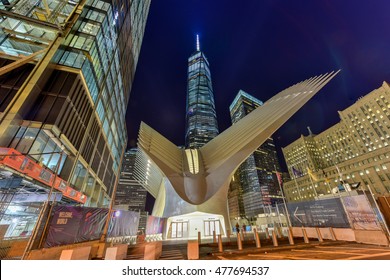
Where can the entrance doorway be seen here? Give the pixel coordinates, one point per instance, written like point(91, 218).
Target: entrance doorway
point(211, 226)
point(179, 229)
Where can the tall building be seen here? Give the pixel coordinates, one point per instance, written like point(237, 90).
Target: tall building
point(303, 153)
point(354, 150)
point(235, 201)
point(201, 117)
point(130, 194)
point(66, 73)
point(257, 173)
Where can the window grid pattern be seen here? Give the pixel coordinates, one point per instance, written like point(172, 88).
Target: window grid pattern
point(105, 46)
point(257, 185)
point(201, 118)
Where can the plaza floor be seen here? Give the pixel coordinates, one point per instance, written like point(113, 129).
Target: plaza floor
point(328, 250)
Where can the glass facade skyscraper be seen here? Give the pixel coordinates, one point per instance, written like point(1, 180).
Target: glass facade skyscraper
point(256, 175)
point(66, 73)
point(130, 194)
point(201, 117)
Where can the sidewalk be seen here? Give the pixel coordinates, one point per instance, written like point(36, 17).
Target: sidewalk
point(266, 247)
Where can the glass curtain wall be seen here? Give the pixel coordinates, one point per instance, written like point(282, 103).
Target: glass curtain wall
point(201, 117)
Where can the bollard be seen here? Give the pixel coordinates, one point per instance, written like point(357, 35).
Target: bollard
point(290, 236)
point(228, 235)
point(192, 250)
point(320, 239)
point(214, 237)
point(280, 232)
point(239, 243)
point(151, 251)
point(332, 234)
point(220, 247)
point(79, 253)
point(257, 238)
point(267, 233)
point(199, 237)
point(274, 239)
point(305, 238)
point(117, 252)
point(242, 235)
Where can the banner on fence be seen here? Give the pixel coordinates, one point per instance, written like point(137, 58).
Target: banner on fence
point(155, 225)
point(71, 224)
point(123, 223)
point(360, 213)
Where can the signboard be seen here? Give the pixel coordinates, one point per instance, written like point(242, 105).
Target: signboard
point(74, 224)
point(318, 213)
point(360, 213)
point(15, 160)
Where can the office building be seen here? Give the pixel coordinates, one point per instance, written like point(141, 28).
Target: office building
point(235, 201)
point(130, 194)
point(303, 153)
point(354, 150)
point(66, 73)
point(257, 173)
point(201, 117)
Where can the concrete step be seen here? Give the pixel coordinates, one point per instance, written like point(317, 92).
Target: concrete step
point(135, 257)
point(172, 255)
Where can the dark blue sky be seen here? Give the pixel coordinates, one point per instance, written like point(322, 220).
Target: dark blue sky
point(262, 47)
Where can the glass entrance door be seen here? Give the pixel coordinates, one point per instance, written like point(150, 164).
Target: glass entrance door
point(210, 226)
point(179, 229)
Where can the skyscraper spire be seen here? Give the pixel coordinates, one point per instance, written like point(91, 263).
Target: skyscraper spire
point(310, 132)
point(201, 118)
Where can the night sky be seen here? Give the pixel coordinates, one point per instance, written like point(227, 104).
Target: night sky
point(261, 47)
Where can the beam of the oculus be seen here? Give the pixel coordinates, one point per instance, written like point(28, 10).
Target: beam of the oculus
point(197, 175)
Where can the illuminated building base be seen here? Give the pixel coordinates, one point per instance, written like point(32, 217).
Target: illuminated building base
point(185, 219)
point(187, 226)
